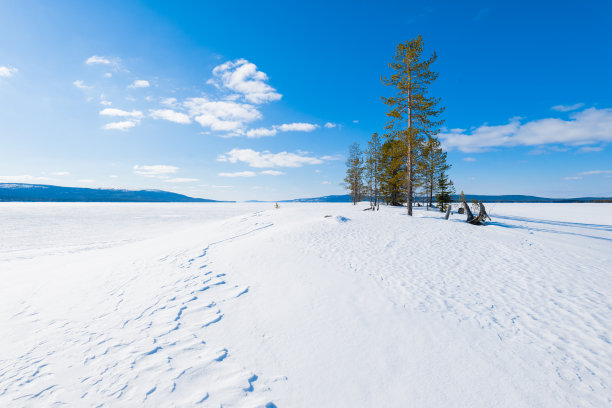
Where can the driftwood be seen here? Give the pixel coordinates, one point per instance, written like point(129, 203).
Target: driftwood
point(482, 216)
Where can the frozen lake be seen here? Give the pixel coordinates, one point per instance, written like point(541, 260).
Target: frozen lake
point(308, 305)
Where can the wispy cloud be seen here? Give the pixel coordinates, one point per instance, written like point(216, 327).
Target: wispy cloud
point(267, 159)
point(155, 170)
point(140, 83)
point(590, 149)
point(581, 175)
point(583, 128)
point(60, 173)
point(80, 84)
point(7, 72)
point(238, 174)
point(95, 59)
point(287, 127)
point(297, 127)
point(170, 115)
point(242, 77)
point(133, 118)
point(272, 172)
point(469, 159)
point(121, 125)
point(593, 172)
point(181, 180)
point(22, 179)
point(330, 125)
point(119, 112)
point(567, 108)
point(260, 132)
point(334, 157)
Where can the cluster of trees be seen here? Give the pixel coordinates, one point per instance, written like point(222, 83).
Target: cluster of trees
point(408, 162)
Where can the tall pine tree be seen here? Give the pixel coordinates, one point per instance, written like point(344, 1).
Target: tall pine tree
point(354, 173)
point(373, 164)
point(432, 164)
point(444, 191)
point(412, 114)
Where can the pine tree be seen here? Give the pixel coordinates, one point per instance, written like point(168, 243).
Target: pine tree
point(461, 198)
point(354, 173)
point(373, 166)
point(444, 190)
point(392, 175)
point(431, 165)
point(412, 114)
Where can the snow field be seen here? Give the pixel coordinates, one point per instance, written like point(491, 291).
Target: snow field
point(289, 307)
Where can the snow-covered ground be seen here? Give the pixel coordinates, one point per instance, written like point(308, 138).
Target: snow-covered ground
point(308, 305)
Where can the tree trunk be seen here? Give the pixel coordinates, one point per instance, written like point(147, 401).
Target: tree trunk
point(409, 158)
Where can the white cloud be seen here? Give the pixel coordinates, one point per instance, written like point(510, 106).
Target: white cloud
point(113, 176)
point(267, 159)
point(119, 112)
point(297, 127)
point(169, 102)
point(106, 103)
point(238, 174)
point(567, 108)
point(469, 159)
point(108, 75)
point(140, 83)
point(221, 115)
point(95, 59)
point(572, 178)
point(85, 181)
point(133, 118)
point(590, 149)
point(170, 115)
point(330, 125)
point(334, 157)
point(272, 172)
point(586, 127)
point(326, 182)
point(80, 84)
point(156, 170)
point(7, 71)
point(122, 125)
point(261, 132)
point(355, 121)
point(181, 180)
point(60, 173)
point(242, 76)
point(287, 127)
point(593, 172)
point(21, 179)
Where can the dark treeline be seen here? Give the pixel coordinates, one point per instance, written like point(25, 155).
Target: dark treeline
point(408, 161)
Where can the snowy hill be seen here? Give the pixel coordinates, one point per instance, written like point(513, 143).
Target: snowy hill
point(41, 192)
point(308, 305)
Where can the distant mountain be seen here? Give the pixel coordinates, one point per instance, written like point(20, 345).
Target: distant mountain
point(345, 198)
point(485, 198)
point(41, 192)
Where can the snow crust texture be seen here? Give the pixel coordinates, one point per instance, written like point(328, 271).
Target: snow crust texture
point(306, 305)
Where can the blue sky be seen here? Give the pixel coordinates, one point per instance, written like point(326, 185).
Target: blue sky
point(260, 100)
